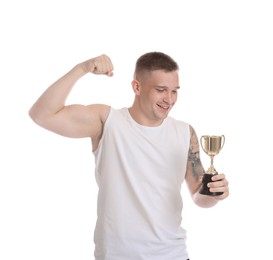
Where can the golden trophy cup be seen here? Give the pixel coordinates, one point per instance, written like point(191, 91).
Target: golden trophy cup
point(211, 145)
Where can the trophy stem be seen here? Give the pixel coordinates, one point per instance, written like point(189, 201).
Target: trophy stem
point(211, 169)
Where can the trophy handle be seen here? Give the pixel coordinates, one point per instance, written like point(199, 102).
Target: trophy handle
point(201, 142)
point(224, 139)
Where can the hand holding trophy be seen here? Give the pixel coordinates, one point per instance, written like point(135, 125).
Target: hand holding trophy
point(211, 145)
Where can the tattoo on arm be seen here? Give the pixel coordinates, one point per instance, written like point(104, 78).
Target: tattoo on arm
point(194, 161)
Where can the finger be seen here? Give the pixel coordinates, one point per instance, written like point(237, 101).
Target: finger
point(220, 191)
point(219, 186)
point(218, 177)
point(103, 67)
point(218, 183)
point(103, 72)
point(223, 196)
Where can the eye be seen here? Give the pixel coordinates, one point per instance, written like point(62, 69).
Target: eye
point(160, 89)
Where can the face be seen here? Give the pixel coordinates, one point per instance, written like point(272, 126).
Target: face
point(156, 94)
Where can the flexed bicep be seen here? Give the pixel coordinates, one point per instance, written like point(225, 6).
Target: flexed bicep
point(78, 121)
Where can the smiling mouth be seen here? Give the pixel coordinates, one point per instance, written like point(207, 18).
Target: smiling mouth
point(166, 108)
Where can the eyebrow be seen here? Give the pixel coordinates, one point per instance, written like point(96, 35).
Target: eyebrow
point(165, 87)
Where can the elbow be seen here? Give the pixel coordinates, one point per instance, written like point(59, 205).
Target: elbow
point(32, 114)
point(35, 116)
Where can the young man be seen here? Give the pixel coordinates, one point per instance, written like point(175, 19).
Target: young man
point(142, 157)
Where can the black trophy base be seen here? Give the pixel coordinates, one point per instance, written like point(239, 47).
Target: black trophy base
point(204, 189)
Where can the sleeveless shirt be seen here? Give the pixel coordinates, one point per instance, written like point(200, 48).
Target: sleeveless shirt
point(139, 171)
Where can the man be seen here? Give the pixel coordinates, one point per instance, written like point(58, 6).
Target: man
point(142, 157)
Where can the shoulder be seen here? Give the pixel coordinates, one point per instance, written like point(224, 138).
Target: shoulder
point(192, 131)
point(100, 111)
point(194, 143)
point(109, 115)
point(193, 137)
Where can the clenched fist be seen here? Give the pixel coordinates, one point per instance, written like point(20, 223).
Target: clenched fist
point(99, 65)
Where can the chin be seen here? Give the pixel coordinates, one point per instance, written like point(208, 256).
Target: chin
point(162, 116)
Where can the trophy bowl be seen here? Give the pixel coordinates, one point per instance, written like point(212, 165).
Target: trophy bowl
point(211, 145)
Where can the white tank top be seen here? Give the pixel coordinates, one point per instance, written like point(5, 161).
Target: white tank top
point(139, 171)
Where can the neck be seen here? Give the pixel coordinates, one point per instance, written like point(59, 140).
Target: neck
point(141, 118)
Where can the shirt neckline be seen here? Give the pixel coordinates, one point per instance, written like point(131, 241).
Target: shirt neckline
point(131, 119)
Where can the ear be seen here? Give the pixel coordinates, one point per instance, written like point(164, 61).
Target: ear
point(136, 86)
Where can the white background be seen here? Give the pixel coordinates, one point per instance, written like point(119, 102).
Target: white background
point(47, 185)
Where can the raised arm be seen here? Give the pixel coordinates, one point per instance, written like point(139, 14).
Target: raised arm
point(195, 173)
point(51, 113)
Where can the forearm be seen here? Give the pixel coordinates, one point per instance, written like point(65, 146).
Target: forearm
point(54, 98)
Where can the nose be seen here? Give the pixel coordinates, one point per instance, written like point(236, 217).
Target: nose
point(168, 98)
